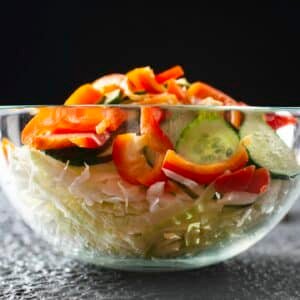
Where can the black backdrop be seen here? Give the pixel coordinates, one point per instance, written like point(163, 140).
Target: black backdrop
point(249, 50)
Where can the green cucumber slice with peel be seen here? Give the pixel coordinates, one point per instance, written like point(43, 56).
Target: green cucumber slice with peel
point(176, 122)
point(207, 139)
point(114, 97)
point(266, 149)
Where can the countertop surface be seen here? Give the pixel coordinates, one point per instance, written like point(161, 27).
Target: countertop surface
point(29, 269)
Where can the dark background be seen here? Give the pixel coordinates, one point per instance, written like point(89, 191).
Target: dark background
point(249, 50)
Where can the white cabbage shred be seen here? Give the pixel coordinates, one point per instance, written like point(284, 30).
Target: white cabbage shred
point(92, 208)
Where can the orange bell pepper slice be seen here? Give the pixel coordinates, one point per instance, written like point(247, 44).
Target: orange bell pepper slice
point(143, 79)
point(175, 89)
point(131, 163)
point(85, 94)
point(128, 149)
point(59, 141)
point(204, 173)
point(62, 120)
point(200, 90)
point(151, 117)
point(234, 117)
point(172, 73)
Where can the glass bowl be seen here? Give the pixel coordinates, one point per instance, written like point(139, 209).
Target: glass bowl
point(86, 210)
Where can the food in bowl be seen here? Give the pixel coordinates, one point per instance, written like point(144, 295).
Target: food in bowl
point(147, 169)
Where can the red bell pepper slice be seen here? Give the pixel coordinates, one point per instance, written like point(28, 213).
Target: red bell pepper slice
point(172, 73)
point(236, 181)
point(260, 181)
point(204, 173)
point(248, 179)
point(277, 121)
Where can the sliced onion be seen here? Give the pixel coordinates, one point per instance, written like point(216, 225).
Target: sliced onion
point(179, 178)
point(237, 198)
point(154, 192)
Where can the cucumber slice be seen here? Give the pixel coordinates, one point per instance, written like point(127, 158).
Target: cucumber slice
point(176, 122)
point(114, 97)
point(79, 156)
point(266, 149)
point(207, 139)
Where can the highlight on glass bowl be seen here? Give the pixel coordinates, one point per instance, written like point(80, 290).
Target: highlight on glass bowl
point(145, 171)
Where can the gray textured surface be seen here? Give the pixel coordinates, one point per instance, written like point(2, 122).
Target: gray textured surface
point(30, 270)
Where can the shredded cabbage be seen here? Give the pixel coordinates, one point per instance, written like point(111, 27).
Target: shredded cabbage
point(92, 208)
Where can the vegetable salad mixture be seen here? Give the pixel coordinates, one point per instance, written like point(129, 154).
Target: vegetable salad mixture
point(169, 172)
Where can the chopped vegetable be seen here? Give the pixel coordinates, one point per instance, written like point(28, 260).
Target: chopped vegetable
point(204, 173)
point(235, 181)
point(247, 180)
point(238, 198)
point(110, 83)
point(260, 181)
point(172, 73)
point(235, 118)
point(277, 121)
point(151, 117)
point(198, 91)
point(177, 90)
point(113, 97)
point(60, 141)
point(141, 79)
point(128, 150)
point(76, 156)
point(266, 149)
point(131, 163)
point(85, 94)
point(64, 120)
point(207, 139)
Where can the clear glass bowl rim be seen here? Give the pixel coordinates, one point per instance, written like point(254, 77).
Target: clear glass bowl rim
point(25, 108)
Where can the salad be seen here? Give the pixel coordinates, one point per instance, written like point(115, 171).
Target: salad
point(162, 168)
